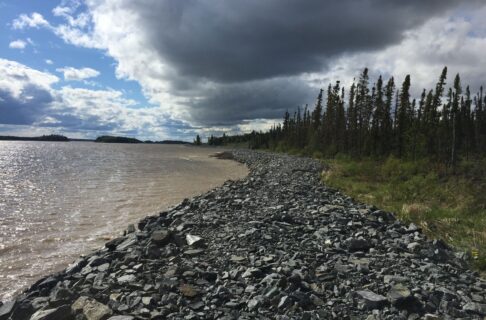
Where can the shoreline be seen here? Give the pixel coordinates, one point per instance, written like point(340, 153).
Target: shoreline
point(275, 243)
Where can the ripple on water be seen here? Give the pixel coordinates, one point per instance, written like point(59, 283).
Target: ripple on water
point(59, 200)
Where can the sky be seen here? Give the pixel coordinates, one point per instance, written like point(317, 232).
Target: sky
point(171, 69)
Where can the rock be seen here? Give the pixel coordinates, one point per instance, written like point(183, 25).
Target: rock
point(194, 241)
point(237, 259)
point(61, 313)
point(370, 300)
point(91, 309)
point(255, 303)
point(161, 237)
point(131, 228)
point(398, 293)
point(112, 244)
point(121, 318)
point(358, 245)
point(284, 302)
point(474, 307)
point(6, 309)
point(128, 242)
point(193, 252)
point(128, 278)
point(188, 290)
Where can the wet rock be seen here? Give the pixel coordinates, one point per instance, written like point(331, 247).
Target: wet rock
point(6, 309)
point(61, 313)
point(112, 244)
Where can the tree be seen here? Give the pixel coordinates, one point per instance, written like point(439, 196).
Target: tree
point(197, 142)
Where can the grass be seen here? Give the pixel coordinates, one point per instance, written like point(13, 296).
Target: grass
point(451, 207)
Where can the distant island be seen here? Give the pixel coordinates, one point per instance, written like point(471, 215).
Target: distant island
point(51, 137)
point(114, 139)
point(168, 142)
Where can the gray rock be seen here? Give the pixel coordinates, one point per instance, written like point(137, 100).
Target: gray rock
point(194, 241)
point(370, 300)
point(61, 313)
point(127, 279)
point(91, 309)
point(474, 307)
point(358, 245)
point(6, 309)
point(161, 237)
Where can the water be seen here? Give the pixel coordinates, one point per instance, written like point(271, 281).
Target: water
point(59, 200)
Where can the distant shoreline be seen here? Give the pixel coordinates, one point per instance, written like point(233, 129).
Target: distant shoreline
point(102, 139)
point(52, 137)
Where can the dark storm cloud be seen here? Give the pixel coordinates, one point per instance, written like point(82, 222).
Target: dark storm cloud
point(26, 109)
point(264, 99)
point(236, 41)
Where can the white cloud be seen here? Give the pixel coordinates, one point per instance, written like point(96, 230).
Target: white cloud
point(17, 44)
point(16, 77)
point(28, 100)
point(35, 20)
point(73, 74)
point(48, 61)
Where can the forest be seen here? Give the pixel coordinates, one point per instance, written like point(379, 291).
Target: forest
point(381, 119)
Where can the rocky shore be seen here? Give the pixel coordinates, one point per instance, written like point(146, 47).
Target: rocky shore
point(275, 245)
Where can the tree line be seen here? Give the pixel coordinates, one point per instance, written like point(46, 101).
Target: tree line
point(382, 119)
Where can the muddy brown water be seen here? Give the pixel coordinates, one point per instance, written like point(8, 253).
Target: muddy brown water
point(59, 200)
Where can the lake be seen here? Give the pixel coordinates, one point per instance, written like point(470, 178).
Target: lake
point(62, 199)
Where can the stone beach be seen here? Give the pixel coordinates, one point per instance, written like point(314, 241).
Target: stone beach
point(277, 244)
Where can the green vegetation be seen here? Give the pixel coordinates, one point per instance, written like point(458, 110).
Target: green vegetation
point(448, 206)
point(113, 139)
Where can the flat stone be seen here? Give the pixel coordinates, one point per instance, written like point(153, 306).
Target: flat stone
point(61, 313)
point(6, 309)
point(193, 252)
point(126, 244)
point(126, 279)
point(370, 300)
point(188, 291)
point(237, 259)
point(398, 293)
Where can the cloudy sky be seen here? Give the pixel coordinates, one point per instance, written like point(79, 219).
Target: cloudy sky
point(168, 69)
